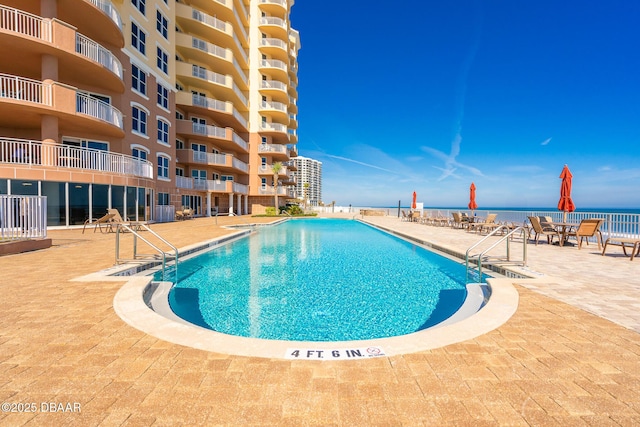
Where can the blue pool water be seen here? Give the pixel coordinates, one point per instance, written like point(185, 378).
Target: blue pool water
point(318, 280)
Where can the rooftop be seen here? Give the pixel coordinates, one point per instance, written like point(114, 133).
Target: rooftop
point(568, 356)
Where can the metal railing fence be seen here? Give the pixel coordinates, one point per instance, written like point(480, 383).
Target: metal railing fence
point(23, 217)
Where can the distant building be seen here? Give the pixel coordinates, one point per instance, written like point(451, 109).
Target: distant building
point(309, 171)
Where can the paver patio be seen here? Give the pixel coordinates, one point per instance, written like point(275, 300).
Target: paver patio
point(564, 358)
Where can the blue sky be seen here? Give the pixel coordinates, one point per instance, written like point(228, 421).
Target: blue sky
point(434, 95)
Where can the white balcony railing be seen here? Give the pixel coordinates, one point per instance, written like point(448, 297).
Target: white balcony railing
point(25, 23)
point(240, 188)
point(184, 182)
point(19, 88)
point(220, 52)
point(272, 148)
point(273, 42)
point(218, 132)
point(107, 7)
point(277, 106)
point(224, 80)
point(23, 217)
point(282, 3)
point(94, 51)
point(273, 20)
point(273, 84)
point(273, 63)
point(98, 109)
point(239, 164)
point(273, 127)
point(34, 153)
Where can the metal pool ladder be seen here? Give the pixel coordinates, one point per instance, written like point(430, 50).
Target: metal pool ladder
point(481, 257)
point(134, 229)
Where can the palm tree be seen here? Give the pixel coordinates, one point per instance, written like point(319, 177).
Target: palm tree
point(306, 186)
point(276, 168)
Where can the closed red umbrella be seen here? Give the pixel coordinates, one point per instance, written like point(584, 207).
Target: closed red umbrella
point(566, 204)
point(472, 197)
point(413, 203)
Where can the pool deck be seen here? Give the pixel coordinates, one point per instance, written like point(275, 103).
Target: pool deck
point(570, 355)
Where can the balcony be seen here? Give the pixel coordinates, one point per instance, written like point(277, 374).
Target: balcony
point(275, 89)
point(266, 170)
point(214, 186)
point(274, 7)
point(225, 138)
point(220, 58)
point(212, 28)
point(274, 26)
point(98, 109)
point(81, 61)
point(276, 110)
point(27, 153)
point(226, 161)
point(275, 67)
point(221, 86)
point(269, 191)
point(223, 112)
point(23, 102)
point(276, 151)
point(274, 47)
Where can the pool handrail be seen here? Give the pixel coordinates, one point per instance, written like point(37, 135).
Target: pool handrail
point(506, 237)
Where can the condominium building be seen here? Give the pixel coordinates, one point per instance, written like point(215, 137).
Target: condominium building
point(146, 105)
point(308, 179)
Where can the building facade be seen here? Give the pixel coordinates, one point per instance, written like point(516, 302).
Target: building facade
point(146, 105)
point(308, 179)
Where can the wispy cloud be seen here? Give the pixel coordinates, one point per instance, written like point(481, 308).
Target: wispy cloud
point(450, 162)
point(346, 159)
point(546, 141)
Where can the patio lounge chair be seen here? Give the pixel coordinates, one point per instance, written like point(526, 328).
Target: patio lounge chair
point(459, 220)
point(625, 242)
point(185, 213)
point(587, 228)
point(98, 223)
point(488, 223)
point(540, 230)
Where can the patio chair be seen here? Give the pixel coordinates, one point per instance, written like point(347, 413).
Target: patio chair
point(98, 223)
point(459, 221)
point(587, 228)
point(404, 216)
point(540, 230)
point(625, 242)
point(488, 223)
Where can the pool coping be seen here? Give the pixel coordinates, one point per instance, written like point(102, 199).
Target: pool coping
point(135, 303)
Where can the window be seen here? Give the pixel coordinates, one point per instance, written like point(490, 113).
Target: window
point(163, 61)
point(199, 174)
point(179, 172)
point(199, 147)
point(140, 5)
point(139, 153)
point(226, 177)
point(179, 144)
point(163, 167)
point(162, 25)
point(163, 132)
point(138, 80)
point(138, 120)
point(163, 97)
point(163, 199)
point(138, 39)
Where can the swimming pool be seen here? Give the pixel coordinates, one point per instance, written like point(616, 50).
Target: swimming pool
point(318, 280)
